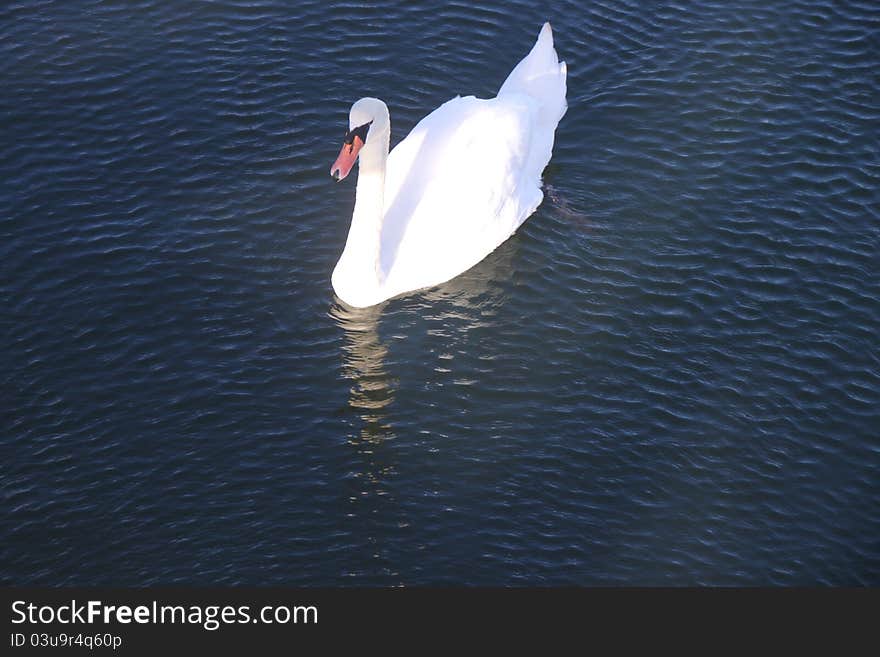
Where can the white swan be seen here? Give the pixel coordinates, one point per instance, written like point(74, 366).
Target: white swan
point(465, 178)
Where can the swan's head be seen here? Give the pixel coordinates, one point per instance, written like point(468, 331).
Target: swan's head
point(367, 122)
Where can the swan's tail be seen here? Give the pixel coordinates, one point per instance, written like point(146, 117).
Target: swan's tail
point(542, 76)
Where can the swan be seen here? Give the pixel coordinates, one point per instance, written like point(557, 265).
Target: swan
point(463, 180)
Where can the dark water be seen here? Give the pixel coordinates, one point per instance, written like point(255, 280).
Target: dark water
point(670, 375)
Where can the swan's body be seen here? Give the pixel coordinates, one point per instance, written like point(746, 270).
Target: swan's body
point(465, 178)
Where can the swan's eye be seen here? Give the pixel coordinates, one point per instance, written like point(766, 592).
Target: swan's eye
point(360, 131)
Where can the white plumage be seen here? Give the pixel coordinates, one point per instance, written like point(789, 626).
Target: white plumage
point(465, 178)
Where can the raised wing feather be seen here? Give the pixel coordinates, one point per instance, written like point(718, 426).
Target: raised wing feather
point(455, 187)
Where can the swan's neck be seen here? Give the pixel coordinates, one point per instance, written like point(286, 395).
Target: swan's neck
point(359, 268)
point(369, 206)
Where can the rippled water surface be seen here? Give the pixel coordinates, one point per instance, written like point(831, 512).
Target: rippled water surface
point(669, 375)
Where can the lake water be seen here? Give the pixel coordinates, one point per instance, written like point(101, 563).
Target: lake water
point(670, 375)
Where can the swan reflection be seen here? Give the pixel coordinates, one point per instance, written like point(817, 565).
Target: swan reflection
point(466, 302)
point(364, 353)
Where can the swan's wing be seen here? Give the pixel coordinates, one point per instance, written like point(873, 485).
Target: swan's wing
point(456, 188)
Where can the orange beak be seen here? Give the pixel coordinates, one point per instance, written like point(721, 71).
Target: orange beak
point(347, 156)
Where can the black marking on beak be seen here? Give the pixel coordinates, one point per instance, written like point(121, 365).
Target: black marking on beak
point(361, 131)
